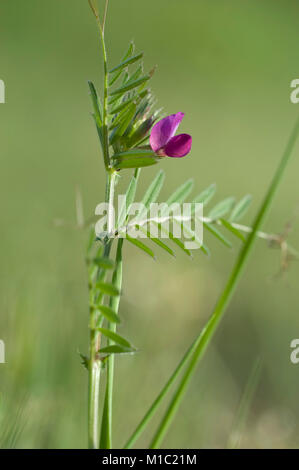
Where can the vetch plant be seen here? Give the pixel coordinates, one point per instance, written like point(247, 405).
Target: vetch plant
point(134, 135)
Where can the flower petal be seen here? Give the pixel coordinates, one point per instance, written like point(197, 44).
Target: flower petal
point(179, 146)
point(164, 130)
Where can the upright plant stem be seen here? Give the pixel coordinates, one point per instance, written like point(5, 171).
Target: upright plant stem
point(106, 432)
point(111, 178)
point(117, 277)
point(105, 15)
point(105, 102)
point(94, 362)
point(94, 376)
point(224, 299)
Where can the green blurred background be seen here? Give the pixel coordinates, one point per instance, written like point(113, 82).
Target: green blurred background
point(228, 66)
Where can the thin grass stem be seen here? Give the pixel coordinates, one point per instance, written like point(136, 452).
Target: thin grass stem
point(149, 414)
point(245, 405)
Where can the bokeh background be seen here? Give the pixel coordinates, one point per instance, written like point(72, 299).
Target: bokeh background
point(228, 66)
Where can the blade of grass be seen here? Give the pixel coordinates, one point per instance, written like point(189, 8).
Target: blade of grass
point(145, 420)
point(94, 370)
point(225, 297)
point(245, 404)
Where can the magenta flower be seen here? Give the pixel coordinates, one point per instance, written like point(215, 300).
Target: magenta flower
point(163, 140)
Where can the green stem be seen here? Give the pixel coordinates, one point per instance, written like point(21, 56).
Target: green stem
point(105, 104)
point(106, 432)
point(111, 180)
point(105, 15)
point(94, 362)
point(220, 308)
point(93, 396)
point(105, 100)
point(94, 375)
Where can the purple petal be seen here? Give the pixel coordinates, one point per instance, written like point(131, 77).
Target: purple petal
point(164, 130)
point(179, 146)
